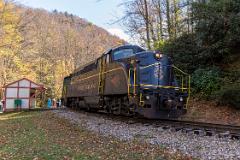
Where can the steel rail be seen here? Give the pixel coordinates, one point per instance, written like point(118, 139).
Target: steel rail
point(199, 128)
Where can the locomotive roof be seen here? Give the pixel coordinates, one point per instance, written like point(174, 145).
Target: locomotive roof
point(124, 46)
point(112, 49)
point(129, 46)
point(81, 67)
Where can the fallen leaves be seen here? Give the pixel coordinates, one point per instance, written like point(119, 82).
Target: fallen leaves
point(41, 135)
point(209, 111)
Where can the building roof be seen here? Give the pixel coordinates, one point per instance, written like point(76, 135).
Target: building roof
point(36, 85)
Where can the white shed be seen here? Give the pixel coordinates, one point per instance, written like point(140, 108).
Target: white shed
point(21, 94)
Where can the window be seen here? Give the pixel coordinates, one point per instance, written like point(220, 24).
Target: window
point(139, 49)
point(123, 53)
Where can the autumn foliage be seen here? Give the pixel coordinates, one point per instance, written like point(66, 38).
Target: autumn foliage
point(46, 46)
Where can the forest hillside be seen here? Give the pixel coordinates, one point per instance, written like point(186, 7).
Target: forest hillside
point(46, 46)
point(202, 37)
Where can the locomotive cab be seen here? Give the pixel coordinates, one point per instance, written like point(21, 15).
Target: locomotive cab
point(121, 54)
point(163, 88)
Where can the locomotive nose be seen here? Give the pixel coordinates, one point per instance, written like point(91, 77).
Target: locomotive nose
point(170, 103)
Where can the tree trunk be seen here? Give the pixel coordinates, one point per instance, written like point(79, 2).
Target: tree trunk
point(176, 17)
point(169, 26)
point(188, 17)
point(160, 20)
point(147, 23)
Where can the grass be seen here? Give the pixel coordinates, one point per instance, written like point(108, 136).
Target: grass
point(40, 135)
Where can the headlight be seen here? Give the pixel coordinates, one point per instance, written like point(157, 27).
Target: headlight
point(158, 56)
point(147, 97)
point(181, 99)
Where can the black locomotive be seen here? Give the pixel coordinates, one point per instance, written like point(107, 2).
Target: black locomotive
point(129, 80)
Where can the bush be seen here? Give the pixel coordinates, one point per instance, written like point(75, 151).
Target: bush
point(185, 52)
point(206, 81)
point(230, 95)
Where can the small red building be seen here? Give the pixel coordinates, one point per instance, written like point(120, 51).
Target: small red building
point(21, 94)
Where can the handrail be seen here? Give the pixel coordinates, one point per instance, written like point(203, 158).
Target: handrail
point(101, 77)
point(129, 81)
point(134, 81)
point(189, 90)
point(162, 86)
point(155, 64)
point(179, 70)
point(184, 77)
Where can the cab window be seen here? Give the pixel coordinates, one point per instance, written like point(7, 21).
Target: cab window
point(123, 53)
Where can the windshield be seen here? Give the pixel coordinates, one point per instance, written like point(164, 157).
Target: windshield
point(124, 53)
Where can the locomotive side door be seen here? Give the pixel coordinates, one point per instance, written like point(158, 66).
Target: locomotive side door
point(102, 64)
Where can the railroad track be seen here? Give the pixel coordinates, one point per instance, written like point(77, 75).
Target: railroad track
point(44, 109)
point(204, 129)
point(188, 127)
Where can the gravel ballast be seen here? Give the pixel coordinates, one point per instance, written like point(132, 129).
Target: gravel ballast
point(196, 146)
